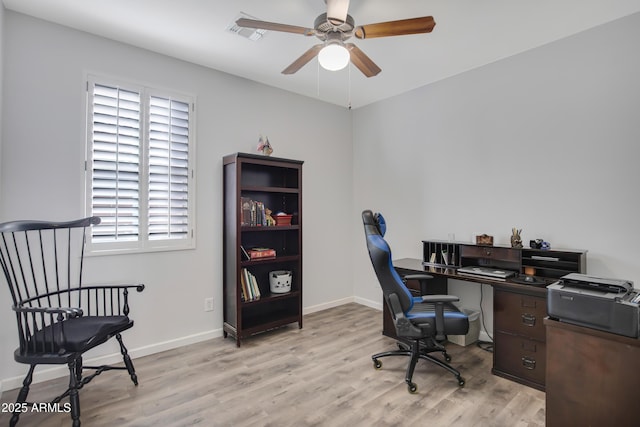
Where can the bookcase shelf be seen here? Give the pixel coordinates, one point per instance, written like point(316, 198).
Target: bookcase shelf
point(272, 297)
point(278, 260)
point(269, 229)
point(262, 189)
point(276, 184)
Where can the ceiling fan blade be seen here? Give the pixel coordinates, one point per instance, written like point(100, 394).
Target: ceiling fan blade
point(362, 61)
point(274, 26)
point(402, 27)
point(337, 11)
point(303, 60)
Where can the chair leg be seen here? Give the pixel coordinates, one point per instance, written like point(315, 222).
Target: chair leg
point(22, 395)
point(74, 397)
point(415, 355)
point(79, 369)
point(127, 360)
point(444, 365)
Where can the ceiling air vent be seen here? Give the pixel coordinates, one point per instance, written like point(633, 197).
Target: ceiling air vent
point(248, 33)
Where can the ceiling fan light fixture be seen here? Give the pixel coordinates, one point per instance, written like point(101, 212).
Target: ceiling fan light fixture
point(334, 56)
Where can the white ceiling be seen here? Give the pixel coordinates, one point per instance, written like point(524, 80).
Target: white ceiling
point(468, 34)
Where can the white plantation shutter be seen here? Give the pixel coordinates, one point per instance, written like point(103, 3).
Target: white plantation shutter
point(139, 178)
point(168, 168)
point(116, 163)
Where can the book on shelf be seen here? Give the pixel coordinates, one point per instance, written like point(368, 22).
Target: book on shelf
point(249, 286)
point(245, 211)
point(252, 213)
point(445, 256)
point(243, 285)
point(255, 289)
point(432, 259)
point(261, 253)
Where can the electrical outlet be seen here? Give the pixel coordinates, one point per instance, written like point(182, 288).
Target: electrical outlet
point(208, 304)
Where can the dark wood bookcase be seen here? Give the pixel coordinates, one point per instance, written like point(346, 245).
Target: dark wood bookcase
point(277, 184)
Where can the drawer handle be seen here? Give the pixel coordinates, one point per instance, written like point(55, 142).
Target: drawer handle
point(529, 319)
point(487, 252)
point(529, 363)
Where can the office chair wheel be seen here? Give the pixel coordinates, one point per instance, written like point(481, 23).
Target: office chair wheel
point(461, 381)
point(447, 357)
point(412, 387)
point(377, 364)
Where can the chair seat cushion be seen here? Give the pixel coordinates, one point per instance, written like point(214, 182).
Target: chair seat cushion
point(423, 315)
point(81, 333)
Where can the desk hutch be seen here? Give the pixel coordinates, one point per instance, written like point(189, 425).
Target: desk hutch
point(519, 307)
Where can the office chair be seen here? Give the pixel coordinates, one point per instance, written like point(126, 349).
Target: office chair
point(420, 321)
point(59, 318)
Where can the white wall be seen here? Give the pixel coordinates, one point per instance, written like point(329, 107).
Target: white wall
point(42, 174)
point(547, 141)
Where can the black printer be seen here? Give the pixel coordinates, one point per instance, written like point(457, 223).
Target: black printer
point(610, 305)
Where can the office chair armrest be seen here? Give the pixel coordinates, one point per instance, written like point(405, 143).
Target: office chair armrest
point(439, 298)
point(439, 302)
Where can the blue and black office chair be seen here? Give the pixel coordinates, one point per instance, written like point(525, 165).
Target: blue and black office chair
point(420, 321)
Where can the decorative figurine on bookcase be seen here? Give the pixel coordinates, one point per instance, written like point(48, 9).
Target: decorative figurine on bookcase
point(516, 239)
point(269, 218)
point(264, 146)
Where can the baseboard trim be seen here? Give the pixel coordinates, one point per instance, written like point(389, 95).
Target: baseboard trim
point(484, 337)
point(369, 303)
point(327, 305)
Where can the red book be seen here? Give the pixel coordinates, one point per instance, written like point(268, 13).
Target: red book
point(262, 253)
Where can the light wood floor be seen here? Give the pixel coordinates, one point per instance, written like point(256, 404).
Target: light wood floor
point(321, 375)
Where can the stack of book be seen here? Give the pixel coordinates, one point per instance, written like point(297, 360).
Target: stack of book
point(250, 288)
point(252, 213)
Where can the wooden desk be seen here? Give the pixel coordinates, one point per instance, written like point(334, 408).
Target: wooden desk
point(518, 309)
point(592, 377)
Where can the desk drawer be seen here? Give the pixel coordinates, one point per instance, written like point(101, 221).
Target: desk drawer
point(519, 314)
point(491, 252)
point(520, 357)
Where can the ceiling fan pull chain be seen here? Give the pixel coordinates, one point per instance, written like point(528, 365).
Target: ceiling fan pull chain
point(318, 79)
point(349, 88)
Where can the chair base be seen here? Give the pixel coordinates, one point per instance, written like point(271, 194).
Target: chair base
point(419, 349)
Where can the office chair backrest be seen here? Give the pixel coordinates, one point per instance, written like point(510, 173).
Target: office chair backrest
point(380, 254)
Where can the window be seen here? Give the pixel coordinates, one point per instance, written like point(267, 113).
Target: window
point(140, 181)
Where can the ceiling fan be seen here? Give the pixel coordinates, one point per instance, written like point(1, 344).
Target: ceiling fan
point(334, 28)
